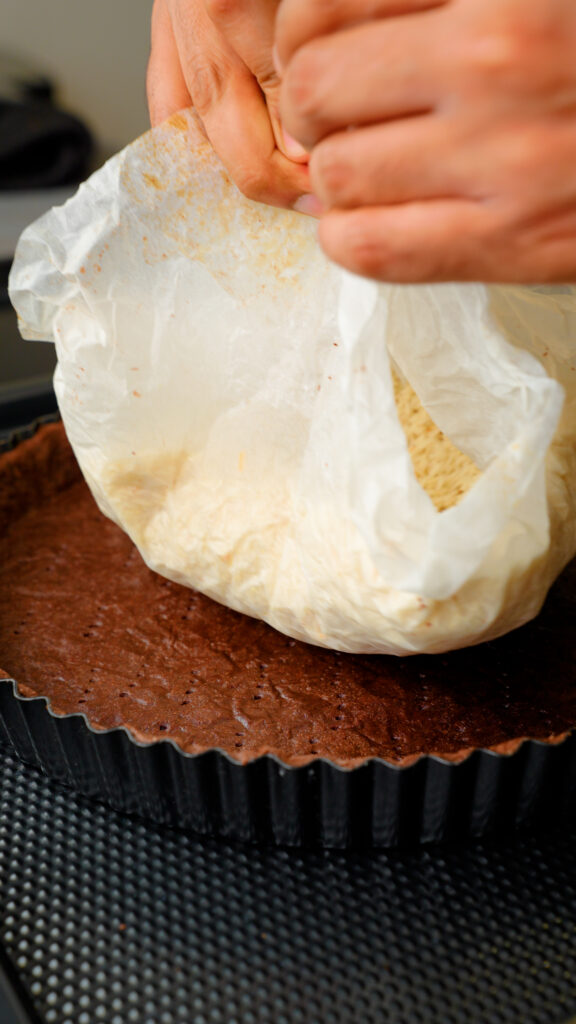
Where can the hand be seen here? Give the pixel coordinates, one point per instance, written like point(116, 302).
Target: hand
point(442, 133)
point(216, 55)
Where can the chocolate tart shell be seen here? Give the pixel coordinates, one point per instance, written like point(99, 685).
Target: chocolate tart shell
point(418, 798)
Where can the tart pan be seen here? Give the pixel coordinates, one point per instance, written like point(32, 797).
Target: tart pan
point(426, 799)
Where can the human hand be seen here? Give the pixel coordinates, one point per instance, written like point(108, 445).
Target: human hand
point(442, 133)
point(216, 55)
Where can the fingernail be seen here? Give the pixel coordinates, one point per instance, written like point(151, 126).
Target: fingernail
point(276, 61)
point(293, 149)
point(310, 205)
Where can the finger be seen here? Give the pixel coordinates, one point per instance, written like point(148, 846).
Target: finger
point(444, 240)
point(396, 162)
point(299, 21)
point(363, 75)
point(165, 85)
point(248, 27)
point(545, 252)
point(240, 130)
point(233, 112)
point(451, 240)
point(443, 156)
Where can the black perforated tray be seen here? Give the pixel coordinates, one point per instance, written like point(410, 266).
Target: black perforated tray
point(108, 919)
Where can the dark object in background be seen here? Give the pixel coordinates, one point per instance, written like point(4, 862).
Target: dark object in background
point(44, 153)
point(41, 146)
point(20, 80)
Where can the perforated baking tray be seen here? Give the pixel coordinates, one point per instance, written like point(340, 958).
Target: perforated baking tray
point(107, 918)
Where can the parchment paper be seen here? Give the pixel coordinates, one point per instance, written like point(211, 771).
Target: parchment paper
point(228, 394)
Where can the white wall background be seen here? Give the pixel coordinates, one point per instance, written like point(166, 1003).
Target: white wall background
point(96, 50)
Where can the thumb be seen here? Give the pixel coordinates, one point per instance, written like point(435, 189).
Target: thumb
point(248, 28)
point(287, 145)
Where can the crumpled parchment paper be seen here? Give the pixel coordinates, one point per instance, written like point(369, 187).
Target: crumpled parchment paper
point(228, 394)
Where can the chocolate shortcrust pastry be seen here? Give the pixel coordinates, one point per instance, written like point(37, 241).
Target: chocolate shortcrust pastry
point(85, 623)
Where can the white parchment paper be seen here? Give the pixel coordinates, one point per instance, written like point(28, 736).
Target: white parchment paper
point(228, 394)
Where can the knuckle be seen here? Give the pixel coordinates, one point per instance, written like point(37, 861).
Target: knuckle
point(353, 241)
point(303, 83)
point(206, 83)
point(253, 182)
point(330, 172)
point(223, 11)
point(267, 78)
point(528, 153)
point(385, 254)
point(530, 163)
point(300, 20)
point(499, 51)
point(525, 54)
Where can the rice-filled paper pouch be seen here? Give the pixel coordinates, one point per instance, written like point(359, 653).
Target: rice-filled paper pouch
point(366, 467)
